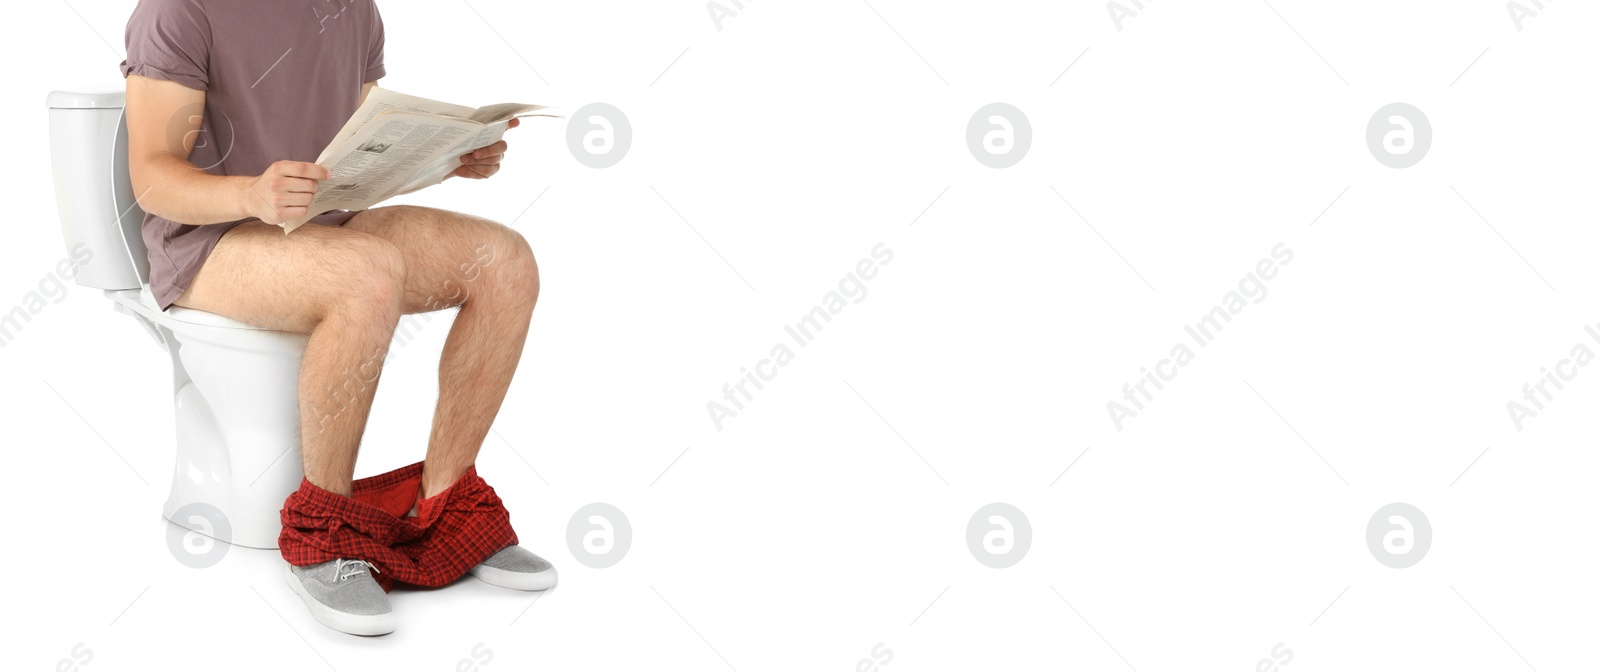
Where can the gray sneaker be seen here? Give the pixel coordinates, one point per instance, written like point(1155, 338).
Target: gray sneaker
point(342, 595)
point(516, 568)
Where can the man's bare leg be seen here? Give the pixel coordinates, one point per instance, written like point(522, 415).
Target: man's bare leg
point(488, 270)
point(343, 288)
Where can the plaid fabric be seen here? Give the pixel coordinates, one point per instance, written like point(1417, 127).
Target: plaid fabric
point(452, 531)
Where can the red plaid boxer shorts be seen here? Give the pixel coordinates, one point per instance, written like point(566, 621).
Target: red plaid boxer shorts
point(452, 532)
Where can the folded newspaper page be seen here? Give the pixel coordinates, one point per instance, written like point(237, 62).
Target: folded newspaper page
point(396, 144)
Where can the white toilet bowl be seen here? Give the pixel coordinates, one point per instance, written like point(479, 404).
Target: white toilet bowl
point(234, 385)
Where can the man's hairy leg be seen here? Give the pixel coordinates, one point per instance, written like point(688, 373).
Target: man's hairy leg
point(487, 269)
point(343, 288)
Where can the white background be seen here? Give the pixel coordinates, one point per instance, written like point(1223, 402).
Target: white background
point(806, 532)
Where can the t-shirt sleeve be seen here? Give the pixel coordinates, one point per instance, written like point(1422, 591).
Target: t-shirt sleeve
point(171, 40)
point(375, 48)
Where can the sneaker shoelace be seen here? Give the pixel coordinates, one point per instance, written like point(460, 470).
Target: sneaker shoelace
point(346, 569)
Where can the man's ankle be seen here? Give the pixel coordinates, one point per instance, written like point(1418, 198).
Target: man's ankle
point(433, 485)
point(341, 488)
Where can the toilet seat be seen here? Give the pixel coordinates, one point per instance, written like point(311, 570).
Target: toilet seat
point(191, 315)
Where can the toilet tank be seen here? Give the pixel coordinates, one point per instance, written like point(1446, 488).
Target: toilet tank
point(89, 158)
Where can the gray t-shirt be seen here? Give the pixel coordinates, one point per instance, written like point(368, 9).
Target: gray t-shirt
point(281, 79)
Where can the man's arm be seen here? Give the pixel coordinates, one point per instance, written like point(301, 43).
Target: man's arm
point(171, 187)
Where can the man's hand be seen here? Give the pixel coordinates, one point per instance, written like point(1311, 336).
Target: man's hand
point(482, 163)
point(283, 192)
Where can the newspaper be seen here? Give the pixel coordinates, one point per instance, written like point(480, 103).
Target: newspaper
point(395, 144)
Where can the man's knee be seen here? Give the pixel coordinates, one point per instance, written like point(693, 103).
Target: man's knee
point(510, 264)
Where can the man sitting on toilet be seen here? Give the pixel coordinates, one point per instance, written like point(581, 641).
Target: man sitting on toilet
point(227, 103)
